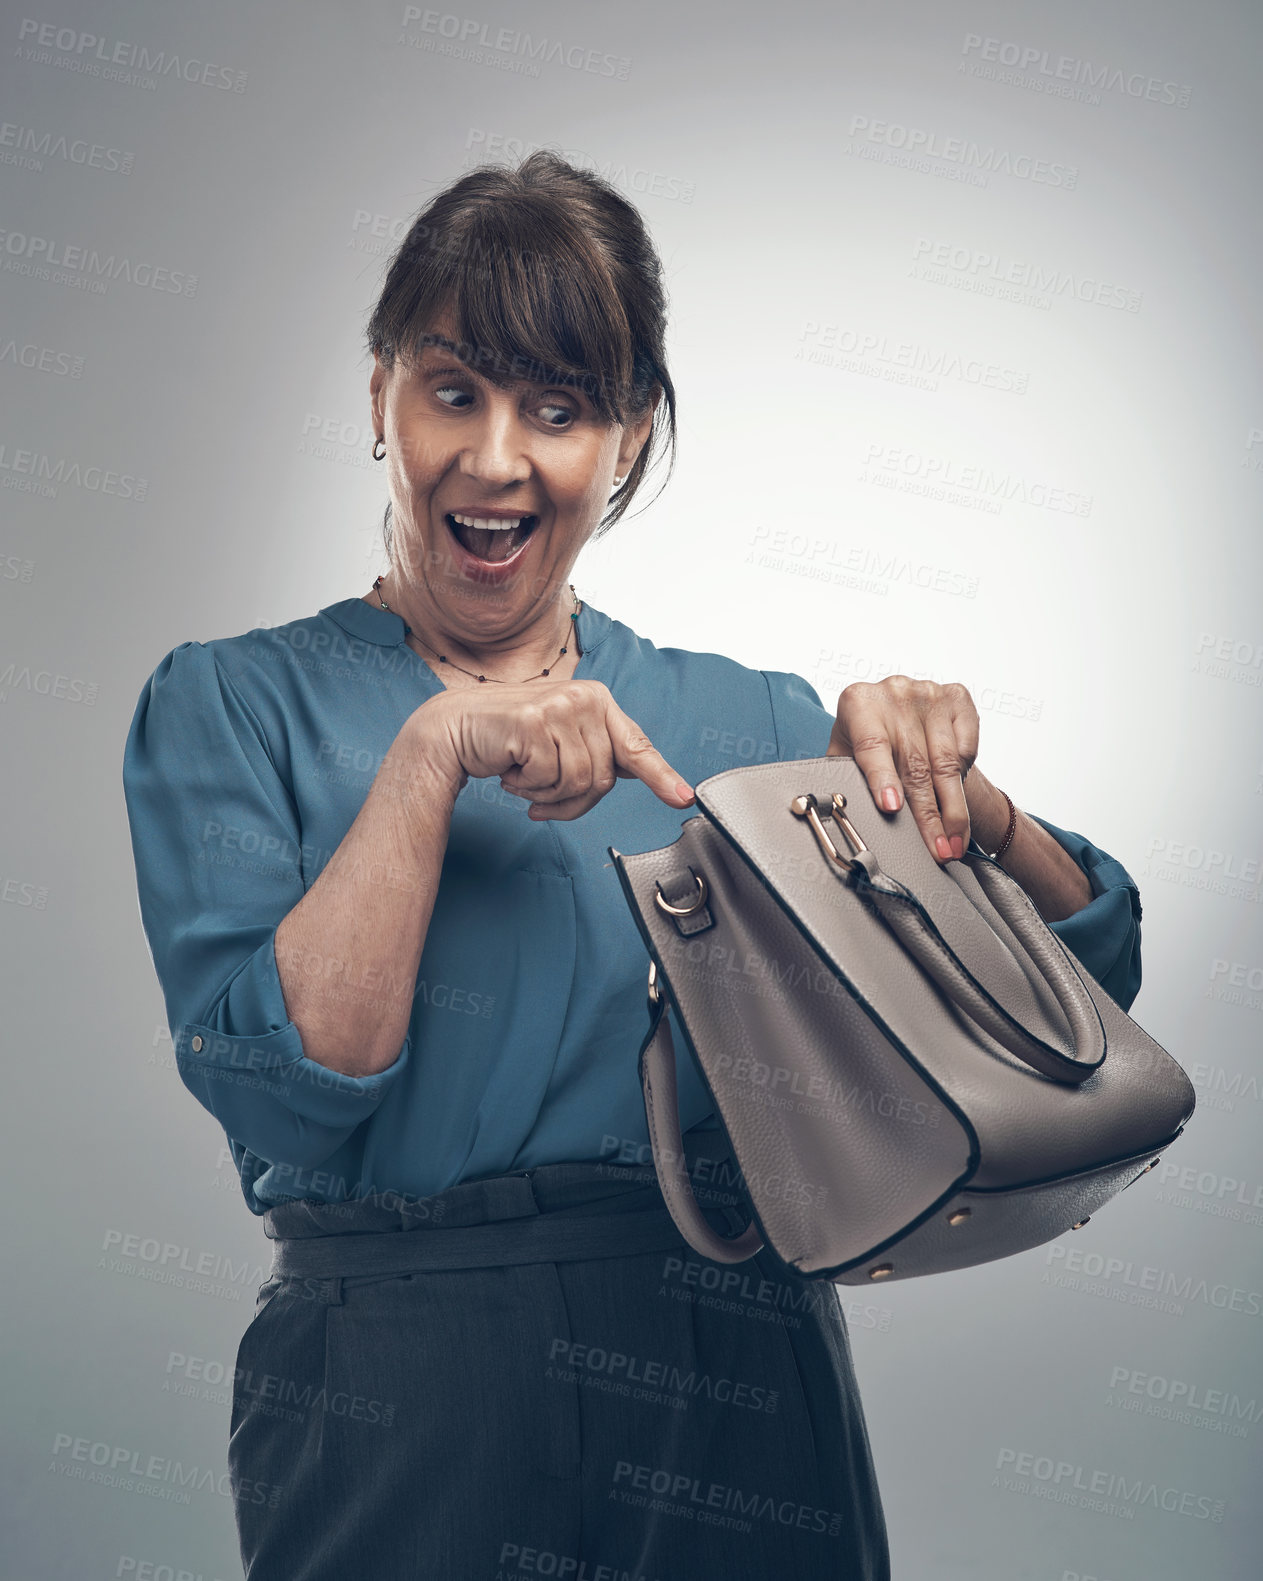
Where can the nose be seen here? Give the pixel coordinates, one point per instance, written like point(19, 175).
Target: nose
point(495, 451)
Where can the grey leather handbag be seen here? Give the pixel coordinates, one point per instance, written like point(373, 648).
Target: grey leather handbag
point(914, 1073)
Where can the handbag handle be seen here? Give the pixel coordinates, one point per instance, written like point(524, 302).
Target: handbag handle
point(912, 926)
point(662, 1112)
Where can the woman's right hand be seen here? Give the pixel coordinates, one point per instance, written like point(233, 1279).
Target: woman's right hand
point(561, 747)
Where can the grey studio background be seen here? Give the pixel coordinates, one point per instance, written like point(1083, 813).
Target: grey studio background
point(965, 331)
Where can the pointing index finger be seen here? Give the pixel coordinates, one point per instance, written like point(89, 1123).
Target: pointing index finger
point(636, 757)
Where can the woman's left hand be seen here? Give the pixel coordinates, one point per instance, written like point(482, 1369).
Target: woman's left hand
point(916, 741)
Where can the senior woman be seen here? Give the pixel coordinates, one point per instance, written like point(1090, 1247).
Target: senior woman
point(371, 850)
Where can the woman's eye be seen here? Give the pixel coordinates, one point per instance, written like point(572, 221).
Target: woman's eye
point(555, 416)
point(444, 390)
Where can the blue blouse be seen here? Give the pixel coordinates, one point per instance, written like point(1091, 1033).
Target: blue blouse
point(246, 763)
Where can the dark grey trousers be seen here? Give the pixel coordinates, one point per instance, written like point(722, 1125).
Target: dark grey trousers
point(534, 1375)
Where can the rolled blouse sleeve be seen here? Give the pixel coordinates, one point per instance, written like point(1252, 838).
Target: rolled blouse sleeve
point(218, 850)
point(1104, 935)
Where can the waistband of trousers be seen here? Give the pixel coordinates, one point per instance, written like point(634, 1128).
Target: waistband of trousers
point(567, 1212)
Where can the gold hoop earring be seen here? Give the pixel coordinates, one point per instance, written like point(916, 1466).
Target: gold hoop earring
point(379, 441)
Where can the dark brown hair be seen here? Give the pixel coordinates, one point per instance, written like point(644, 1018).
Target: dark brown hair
point(549, 275)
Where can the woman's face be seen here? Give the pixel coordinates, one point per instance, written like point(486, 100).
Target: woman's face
point(494, 490)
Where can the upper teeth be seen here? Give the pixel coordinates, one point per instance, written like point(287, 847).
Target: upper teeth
point(496, 524)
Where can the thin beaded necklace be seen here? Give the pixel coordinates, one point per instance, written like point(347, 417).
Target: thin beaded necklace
point(443, 658)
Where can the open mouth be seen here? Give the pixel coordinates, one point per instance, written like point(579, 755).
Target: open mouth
point(491, 539)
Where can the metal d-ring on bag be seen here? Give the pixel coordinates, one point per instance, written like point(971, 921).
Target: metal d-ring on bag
point(914, 1073)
